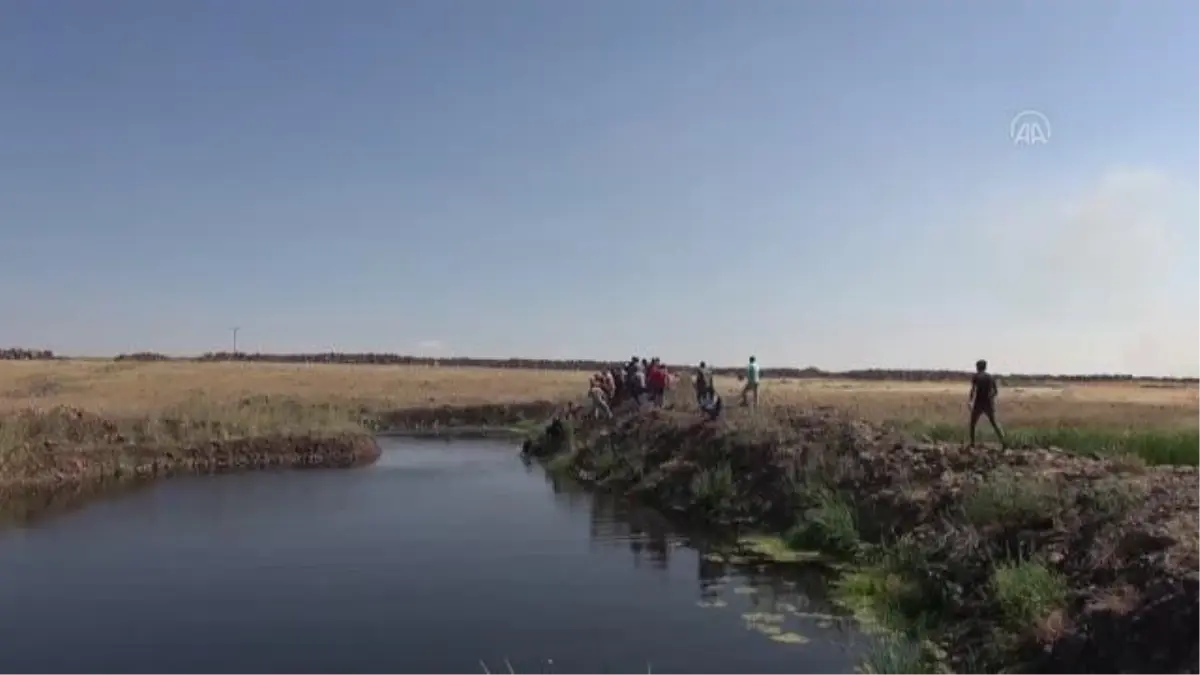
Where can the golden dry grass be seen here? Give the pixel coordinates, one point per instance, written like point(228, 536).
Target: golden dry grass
point(132, 389)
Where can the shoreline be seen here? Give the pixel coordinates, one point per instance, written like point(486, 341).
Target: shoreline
point(972, 560)
point(75, 457)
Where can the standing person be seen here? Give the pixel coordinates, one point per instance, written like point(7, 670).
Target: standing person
point(608, 385)
point(982, 400)
point(753, 374)
point(705, 388)
point(652, 382)
point(599, 400)
point(639, 383)
point(631, 390)
point(619, 385)
point(659, 378)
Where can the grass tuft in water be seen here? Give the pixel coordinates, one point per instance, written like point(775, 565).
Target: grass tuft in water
point(828, 525)
point(896, 654)
point(714, 490)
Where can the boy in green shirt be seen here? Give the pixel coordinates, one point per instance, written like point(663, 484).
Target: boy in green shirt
point(753, 374)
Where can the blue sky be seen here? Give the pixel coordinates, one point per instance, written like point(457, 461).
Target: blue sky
point(817, 183)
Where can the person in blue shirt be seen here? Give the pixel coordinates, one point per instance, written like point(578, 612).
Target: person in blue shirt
point(753, 375)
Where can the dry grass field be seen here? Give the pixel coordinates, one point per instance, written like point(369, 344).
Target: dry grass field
point(137, 389)
point(80, 404)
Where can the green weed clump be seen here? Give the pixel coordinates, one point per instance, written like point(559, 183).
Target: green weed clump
point(1027, 591)
point(896, 654)
point(714, 490)
point(1007, 498)
point(829, 525)
point(560, 463)
point(1113, 498)
point(877, 597)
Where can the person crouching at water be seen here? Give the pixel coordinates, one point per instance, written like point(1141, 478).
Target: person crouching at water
point(599, 399)
point(982, 400)
point(711, 405)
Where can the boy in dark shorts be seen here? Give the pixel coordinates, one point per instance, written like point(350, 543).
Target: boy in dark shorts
point(982, 400)
point(703, 383)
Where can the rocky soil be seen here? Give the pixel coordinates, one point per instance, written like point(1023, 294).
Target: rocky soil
point(1124, 537)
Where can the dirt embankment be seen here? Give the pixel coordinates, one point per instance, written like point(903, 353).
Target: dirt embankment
point(450, 418)
point(71, 451)
point(1119, 538)
point(62, 457)
point(869, 374)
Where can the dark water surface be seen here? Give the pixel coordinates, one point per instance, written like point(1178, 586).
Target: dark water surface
point(442, 557)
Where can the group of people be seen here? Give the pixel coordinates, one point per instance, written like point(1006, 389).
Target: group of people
point(646, 381)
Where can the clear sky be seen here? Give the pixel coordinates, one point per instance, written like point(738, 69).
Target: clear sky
point(828, 183)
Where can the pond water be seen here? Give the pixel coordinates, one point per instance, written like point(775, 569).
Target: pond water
point(441, 557)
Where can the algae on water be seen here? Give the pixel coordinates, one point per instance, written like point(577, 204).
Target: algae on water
point(790, 638)
point(763, 617)
point(775, 549)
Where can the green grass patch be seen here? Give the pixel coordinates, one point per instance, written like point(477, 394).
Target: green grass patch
point(1114, 497)
point(828, 525)
point(1155, 447)
point(874, 596)
point(1008, 498)
point(1027, 591)
point(896, 654)
point(714, 490)
point(560, 463)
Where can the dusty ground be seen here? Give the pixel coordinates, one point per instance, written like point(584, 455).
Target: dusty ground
point(133, 389)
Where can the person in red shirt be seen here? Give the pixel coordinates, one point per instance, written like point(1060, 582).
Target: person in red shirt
point(657, 380)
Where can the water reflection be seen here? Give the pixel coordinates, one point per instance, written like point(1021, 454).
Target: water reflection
point(373, 568)
point(787, 602)
point(25, 508)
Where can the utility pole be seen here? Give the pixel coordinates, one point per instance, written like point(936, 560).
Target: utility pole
point(235, 330)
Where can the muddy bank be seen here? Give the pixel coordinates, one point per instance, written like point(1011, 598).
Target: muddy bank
point(55, 467)
point(69, 456)
point(492, 418)
point(1024, 559)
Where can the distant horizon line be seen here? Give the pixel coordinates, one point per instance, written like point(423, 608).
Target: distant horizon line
point(396, 358)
